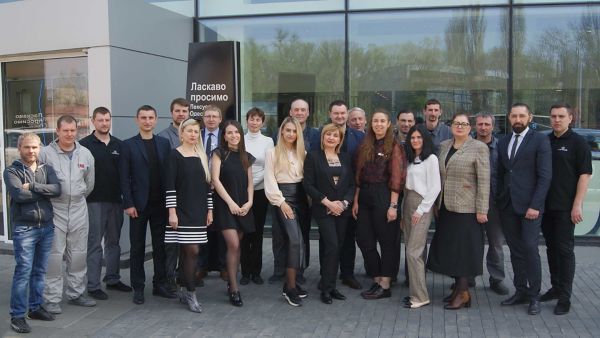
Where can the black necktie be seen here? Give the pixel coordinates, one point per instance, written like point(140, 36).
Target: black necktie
point(513, 150)
point(209, 145)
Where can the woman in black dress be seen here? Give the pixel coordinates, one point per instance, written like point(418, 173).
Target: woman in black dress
point(232, 178)
point(188, 178)
point(457, 245)
point(329, 181)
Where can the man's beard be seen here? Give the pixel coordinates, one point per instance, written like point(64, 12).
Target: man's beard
point(519, 128)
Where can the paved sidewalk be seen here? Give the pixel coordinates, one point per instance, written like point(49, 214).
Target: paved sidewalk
point(265, 313)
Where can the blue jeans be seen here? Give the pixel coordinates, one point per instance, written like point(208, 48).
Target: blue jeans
point(32, 247)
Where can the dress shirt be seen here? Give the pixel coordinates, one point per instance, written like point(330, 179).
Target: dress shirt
point(257, 144)
point(424, 178)
point(292, 174)
point(519, 141)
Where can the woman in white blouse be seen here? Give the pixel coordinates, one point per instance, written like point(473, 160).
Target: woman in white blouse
point(257, 144)
point(421, 190)
point(283, 187)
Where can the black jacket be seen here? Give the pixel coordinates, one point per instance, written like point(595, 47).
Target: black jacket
point(31, 207)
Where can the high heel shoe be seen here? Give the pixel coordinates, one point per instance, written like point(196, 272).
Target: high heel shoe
point(192, 301)
point(235, 298)
point(451, 296)
point(462, 299)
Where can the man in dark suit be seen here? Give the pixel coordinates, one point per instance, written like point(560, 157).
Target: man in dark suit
point(142, 184)
point(524, 175)
point(338, 113)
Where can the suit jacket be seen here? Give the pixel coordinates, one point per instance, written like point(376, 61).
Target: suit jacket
point(352, 139)
point(215, 141)
point(318, 184)
point(134, 172)
point(525, 179)
point(466, 178)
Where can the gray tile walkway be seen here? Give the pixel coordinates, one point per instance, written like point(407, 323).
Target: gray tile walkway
point(266, 314)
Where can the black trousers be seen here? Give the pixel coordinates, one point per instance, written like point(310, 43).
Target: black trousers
point(155, 214)
point(559, 233)
point(251, 245)
point(348, 250)
point(373, 228)
point(331, 240)
point(522, 236)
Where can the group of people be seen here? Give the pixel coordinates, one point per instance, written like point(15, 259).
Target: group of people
point(204, 188)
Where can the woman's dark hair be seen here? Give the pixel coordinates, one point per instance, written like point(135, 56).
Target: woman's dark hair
point(366, 150)
point(241, 146)
point(427, 143)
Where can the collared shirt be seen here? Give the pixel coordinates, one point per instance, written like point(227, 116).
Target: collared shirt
point(571, 158)
point(215, 138)
point(172, 134)
point(439, 134)
point(107, 187)
point(519, 141)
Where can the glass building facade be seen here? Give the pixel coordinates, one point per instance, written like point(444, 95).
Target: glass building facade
point(471, 55)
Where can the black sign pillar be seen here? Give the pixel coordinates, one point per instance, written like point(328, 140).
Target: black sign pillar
point(213, 78)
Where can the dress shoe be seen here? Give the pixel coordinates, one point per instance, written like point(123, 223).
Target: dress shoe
point(462, 299)
point(415, 305)
point(335, 294)
point(549, 295)
point(516, 299)
point(326, 298)
point(235, 299)
point(562, 308)
point(257, 279)
point(534, 307)
point(245, 280)
point(162, 291)
point(372, 289)
point(224, 275)
point(98, 294)
point(499, 288)
point(352, 283)
point(378, 293)
point(138, 297)
point(119, 286)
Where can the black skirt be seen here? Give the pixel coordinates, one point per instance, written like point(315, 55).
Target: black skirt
point(457, 246)
point(224, 219)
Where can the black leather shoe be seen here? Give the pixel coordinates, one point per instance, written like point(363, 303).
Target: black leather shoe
point(379, 293)
point(236, 299)
point(549, 295)
point(372, 289)
point(335, 294)
point(138, 297)
point(326, 298)
point(257, 279)
point(98, 294)
point(119, 286)
point(562, 308)
point(534, 307)
point(162, 291)
point(245, 280)
point(352, 283)
point(516, 299)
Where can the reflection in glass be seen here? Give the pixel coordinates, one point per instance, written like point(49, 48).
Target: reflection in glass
point(207, 8)
point(376, 4)
point(398, 60)
point(282, 58)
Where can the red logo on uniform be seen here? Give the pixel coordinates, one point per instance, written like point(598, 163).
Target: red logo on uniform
point(81, 166)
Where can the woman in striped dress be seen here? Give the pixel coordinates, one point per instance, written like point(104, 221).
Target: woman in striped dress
point(188, 178)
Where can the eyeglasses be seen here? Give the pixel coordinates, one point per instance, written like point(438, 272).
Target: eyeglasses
point(461, 124)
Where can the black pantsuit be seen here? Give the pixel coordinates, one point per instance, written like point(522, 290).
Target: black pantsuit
point(373, 227)
point(251, 245)
point(332, 231)
point(156, 214)
point(559, 232)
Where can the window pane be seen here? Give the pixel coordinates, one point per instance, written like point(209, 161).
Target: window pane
point(374, 4)
point(398, 60)
point(37, 93)
point(284, 57)
point(247, 7)
point(550, 1)
point(557, 58)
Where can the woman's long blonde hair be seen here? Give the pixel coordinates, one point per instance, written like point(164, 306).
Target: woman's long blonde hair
point(281, 159)
point(198, 147)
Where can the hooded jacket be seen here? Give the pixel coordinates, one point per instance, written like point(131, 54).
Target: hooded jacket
point(31, 207)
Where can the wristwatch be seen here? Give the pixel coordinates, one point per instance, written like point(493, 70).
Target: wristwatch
point(346, 204)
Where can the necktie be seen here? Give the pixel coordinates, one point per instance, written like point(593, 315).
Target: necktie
point(209, 145)
point(513, 150)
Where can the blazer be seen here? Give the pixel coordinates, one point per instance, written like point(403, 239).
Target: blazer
point(352, 139)
point(466, 178)
point(318, 184)
point(523, 181)
point(134, 173)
